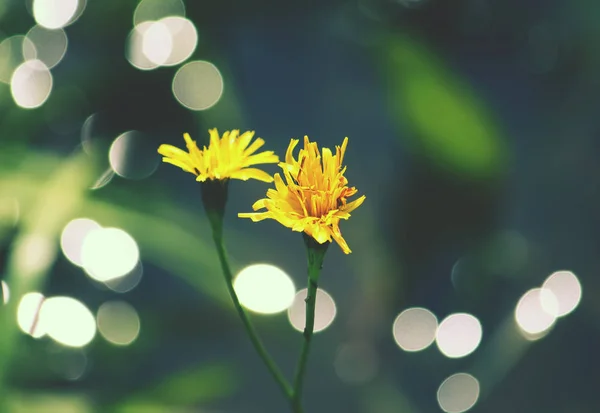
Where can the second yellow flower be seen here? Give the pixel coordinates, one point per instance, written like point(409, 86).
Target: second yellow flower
point(314, 197)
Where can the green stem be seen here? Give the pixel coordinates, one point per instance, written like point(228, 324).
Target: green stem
point(217, 227)
point(316, 254)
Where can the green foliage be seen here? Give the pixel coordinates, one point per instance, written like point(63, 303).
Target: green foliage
point(448, 122)
point(49, 403)
point(185, 389)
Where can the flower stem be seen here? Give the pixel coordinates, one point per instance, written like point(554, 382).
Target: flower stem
point(216, 222)
point(316, 254)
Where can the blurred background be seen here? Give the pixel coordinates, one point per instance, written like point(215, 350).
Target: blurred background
point(473, 130)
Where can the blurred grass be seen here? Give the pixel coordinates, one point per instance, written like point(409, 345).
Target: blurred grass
point(185, 389)
point(179, 392)
point(35, 248)
point(49, 403)
point(46, 202)
point(184, 247)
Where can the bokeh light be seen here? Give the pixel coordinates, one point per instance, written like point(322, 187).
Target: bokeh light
point(54, 14)
point(414, 329)
point(104, 179)
point(14, 50)
point(264, 289)
point(72, 237)
point(566, 288)
point(157, 43)
point(458, 335)
point(81, 5)
point(127, 282)
point(133, 155)
point(458, 393)
point(69, 362)
point(166, 42)
point(356, 363)
point(151, 10)
point(67, 321)
point(108, 253)
point(118, 322)
point(325, 310)
point(51, 45)
point(28, 314)
point(31, 84)
point(536, 312)
point(5, 292)
point(96, 134)
point(198, 85)
point(184, 37)
point(135, 44)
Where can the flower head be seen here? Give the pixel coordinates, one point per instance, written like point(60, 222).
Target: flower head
point(314, 197)
point(225, 158)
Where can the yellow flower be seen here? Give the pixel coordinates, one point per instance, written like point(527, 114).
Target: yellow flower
point(225, 158)
point(314, 198)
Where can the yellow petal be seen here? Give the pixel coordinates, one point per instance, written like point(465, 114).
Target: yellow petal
point(188, 139)
point(233, 136)
point(351, 206)
point(341, 242)
point(255, 216)
point(314, 196)
point(214, 137)
point(244, 140)
point(251, 173)
point(342, 151)
point(183, 165)
point(319, 233)
point(263, 157)
point(289, 158)
point(285, 220)
point(260, 204)
point(171, 151)
point(254, 147)
point(329, 167)
point(225, 151)
point(279, 185)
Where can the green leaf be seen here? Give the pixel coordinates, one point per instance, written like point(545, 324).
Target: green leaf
point(186, 389)
point(449, 123)
point(48, 403)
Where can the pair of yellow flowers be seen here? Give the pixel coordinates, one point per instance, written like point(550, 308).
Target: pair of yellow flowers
point(312, 200)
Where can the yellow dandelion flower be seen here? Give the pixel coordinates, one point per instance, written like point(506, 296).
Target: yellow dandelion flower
point(225, 158)
point(314, 197)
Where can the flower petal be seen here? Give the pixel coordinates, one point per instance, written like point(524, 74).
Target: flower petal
point(289, 158)
point(261, 158)
point(314, 197)
point(337, 236)
point(183, 165)
point(354, 204)
point(255, 216)
point(244, 140)
point(171, 151)
point(254, 147)
point(251, 173)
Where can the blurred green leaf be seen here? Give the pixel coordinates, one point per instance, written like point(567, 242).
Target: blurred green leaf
point(184, 247)
point(182, 390)
point(178, 250)
point(449, 122)
point(34, 249)
point(48, 403)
